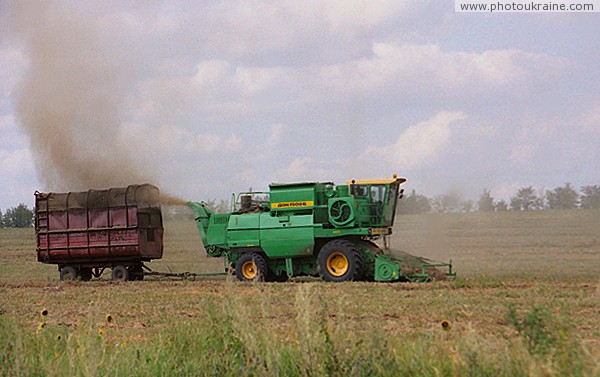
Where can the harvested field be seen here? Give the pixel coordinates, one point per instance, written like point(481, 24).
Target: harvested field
point(527, 302)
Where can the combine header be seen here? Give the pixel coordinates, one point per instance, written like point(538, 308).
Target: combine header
point(311, 229)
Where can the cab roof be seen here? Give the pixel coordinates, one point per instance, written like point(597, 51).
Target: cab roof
point(296, 184)
point(383, 181)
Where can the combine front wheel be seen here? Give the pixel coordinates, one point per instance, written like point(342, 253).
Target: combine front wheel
point(340, 260)
point(251, 267)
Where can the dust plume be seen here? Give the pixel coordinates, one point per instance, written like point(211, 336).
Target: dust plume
point(71, 99)
point(170, 200)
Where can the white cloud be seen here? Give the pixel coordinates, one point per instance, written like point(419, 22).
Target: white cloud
point(276, 134)
point(419, 145)
point(591, 121)
point(239, 28)
point(202, 144)
point(523, 154)
point(210, 73)
point(18, 178)
point(303, 169)
point(15, 164)
point(11, 137)
point(6, 122)
point(419, 69)
point(208, 89)
point(348, 17)
point(233, 143)
point(220, 91)
point(12, 64)
point(251, 81)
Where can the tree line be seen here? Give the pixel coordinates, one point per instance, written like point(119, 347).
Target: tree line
point(525, 199)
point(17, 217)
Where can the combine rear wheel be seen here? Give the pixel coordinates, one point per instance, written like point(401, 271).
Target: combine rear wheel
point(340, 260)
point(68, 273)
point(251, 267)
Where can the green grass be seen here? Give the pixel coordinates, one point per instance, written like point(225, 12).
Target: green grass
point(525, 303)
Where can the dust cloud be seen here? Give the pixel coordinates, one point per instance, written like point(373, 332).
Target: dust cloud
point(71, 99)
point(170, 200)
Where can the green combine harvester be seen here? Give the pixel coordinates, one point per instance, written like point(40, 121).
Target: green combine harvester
point(312, 229)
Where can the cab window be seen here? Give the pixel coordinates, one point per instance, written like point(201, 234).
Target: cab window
point(359, 190)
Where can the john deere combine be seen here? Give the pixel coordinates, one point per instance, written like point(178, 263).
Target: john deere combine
point(314, 228)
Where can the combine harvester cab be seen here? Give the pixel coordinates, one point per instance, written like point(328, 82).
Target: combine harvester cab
point(312, 229)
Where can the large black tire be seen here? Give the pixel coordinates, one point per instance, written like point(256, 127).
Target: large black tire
point(340, 260)
point(120, 273)
point(371, 248)
point(68, 273)
point(251, 267)
point(84, 274)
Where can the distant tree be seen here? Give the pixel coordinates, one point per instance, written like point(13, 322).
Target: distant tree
point(414, 203)
point(526, 200)
point(221, 207)
point(450, 202)
point(1, 219)
point(515, 203)
point(500, 206)
point(467, 206)
point(590, 197)
point(18, 217)
point(485, 202)
point(562, 197)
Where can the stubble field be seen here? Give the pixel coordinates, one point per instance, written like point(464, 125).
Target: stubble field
point(526, 302)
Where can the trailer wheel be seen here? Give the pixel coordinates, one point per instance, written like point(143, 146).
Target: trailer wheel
point(120, 273)
point(340, 260)
point(68, 273)
point(251, 267)
point(84, 274)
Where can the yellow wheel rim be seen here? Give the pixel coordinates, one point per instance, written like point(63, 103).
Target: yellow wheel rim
point(337, 263)
point(249, 270)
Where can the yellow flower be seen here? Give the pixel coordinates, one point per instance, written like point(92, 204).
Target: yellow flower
point(44, 313)
point(108, 318)
point(445, 325)
point(40, 326)
point(100, 331)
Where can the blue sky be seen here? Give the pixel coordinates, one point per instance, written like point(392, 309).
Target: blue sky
point(207, 98)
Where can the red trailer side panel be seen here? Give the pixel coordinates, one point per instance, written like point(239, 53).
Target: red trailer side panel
point(118, 224)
